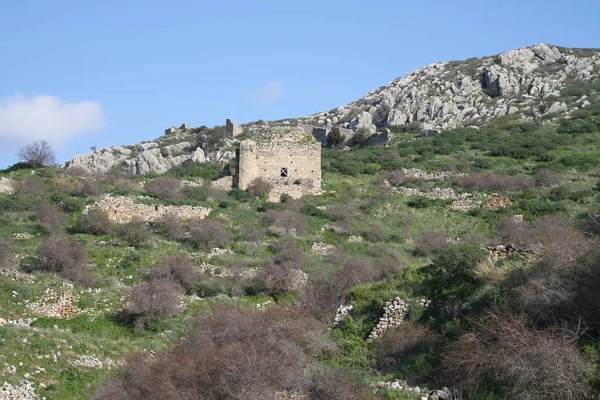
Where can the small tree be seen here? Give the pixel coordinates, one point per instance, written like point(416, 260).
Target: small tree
point(179, 269)
point(153, 299)
point(37, 154)
point(64, 257)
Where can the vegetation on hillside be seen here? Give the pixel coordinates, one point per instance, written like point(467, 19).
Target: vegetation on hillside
point(164, 315)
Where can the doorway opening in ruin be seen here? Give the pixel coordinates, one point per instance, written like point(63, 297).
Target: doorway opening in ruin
point(284, 172)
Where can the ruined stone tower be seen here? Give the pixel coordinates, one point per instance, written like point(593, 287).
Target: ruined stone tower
point(289, 159)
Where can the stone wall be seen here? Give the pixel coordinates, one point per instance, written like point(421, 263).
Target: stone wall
point(394, 314)
point(292, 166)
point(122, 210)
point(6, 186)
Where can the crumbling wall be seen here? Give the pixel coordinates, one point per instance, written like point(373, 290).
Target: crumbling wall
point(122, 209)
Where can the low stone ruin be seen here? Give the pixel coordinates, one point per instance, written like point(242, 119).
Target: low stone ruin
point(55, 305)
point(416, 173)
point(6, 186)
point(436, 193)
point(497, 201)
point(122, 209)
point(501, 252)
point(394, 314)
point(321, 248)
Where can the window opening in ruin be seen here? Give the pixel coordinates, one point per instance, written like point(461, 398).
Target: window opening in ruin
point(284, 172)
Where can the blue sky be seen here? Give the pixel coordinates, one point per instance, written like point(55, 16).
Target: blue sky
point(101, 73)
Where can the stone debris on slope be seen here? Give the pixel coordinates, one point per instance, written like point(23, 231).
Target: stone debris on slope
point(55, 305)
point(22, 391)
point(90, 361)
point(321, 248)
point(415, 173)
point(121, 209)
point(6, 186)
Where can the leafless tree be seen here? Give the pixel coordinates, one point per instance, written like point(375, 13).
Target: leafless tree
point(37, 154)
point(153, 299)
point(179, 269)
point(166, 188)
point(530, 363)
point(51, 217)
point(64, 257)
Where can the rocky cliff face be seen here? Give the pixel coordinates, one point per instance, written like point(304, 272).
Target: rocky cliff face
point(532, 82)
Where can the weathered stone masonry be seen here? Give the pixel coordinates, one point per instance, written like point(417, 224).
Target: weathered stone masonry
point(290, 161)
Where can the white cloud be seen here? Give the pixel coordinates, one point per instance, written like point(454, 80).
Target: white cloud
point(270, 92)
point(47, 117)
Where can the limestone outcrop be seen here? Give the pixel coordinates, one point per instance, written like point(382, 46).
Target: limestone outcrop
point(527, 81)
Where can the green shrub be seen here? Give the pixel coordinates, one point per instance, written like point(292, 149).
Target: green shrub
point(208, 171)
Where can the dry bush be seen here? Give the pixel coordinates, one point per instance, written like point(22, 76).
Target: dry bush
point(291, 222)
point(153, 299)
point(37, 154)
point(60, 255)
point(206, 234)
point(282, 273)
point(495, 272)
point(29, 186)
point(547, 178)
point(430, 242)
point(179, 269)
point(90, 188)
point(376, 233)
point(126, 186)
point(165, 188)
point(345, 215)
point(402, 342)
point(94, 222)
point(512, 231)
point(232, 354)
point(134, 233)
point(482, 181)
point(259, 188)
point(51, 218)
point(563, 285)
point(530, 364)
point(7, 256)
point(170, 226)
point(325, 292)
point(334, 385)
point(400, 178)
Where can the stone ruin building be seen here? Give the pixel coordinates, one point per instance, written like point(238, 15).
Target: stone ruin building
point(287, 158)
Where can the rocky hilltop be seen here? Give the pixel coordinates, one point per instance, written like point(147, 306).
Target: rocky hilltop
point(532, 81)
point(536, 82)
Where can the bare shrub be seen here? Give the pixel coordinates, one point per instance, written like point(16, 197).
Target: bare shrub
point(126, 186)
point(482, 181)
point(430, 242)
point(52, 219)
point(562, 285)
point(207, 234)
point(94, 222)
point(376, 233)
point(64, 257)
point(90, 188)
point(7, 255)
point(259, 188)
point(531, 364)
point(170, 226)
point(134, 233)
point(165, 188)
point(345, 215)
point(29, 186)
point(512, 231)
point(232, 354)
point(402, 342)
point(334, 385)
point(287, 221)
point(179, 269)
point(400, 178)
point(282, 273)
point(37, 154)
point(153, 299)
point(547, 178)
